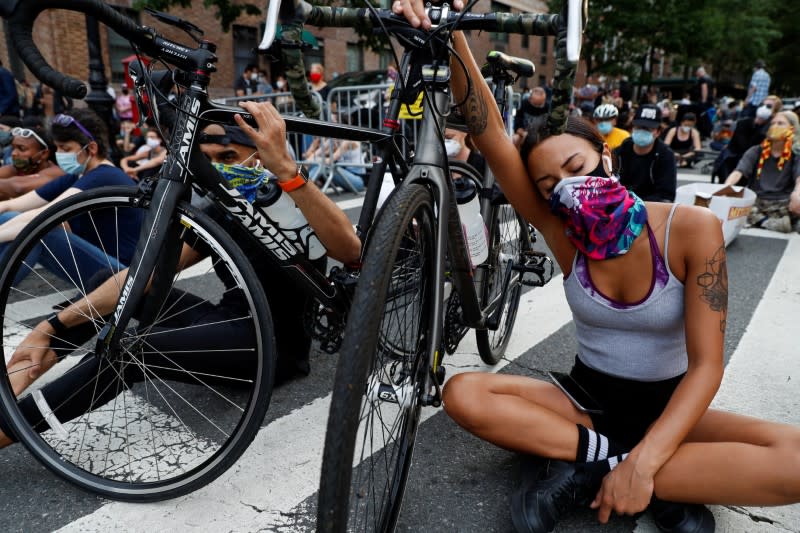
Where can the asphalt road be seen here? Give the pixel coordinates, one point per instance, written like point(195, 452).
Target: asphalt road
point(458, 483)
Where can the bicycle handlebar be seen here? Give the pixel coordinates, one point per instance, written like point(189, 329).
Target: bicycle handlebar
point(21, 31)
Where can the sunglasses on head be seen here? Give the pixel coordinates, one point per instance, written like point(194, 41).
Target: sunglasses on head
point(66, 120)
point(26, 133)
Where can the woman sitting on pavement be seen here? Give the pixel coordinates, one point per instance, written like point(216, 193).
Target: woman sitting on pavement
point(153, 153)
point(31, 152)
point(685, 141)
point(80, 138)
point(647, 286)
point(772, 170)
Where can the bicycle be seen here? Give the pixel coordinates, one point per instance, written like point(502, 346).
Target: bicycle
point(183, 427)
point(417, 283)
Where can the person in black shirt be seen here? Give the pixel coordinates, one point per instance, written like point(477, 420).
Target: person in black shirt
point(647, 165)
point(702, 96)
point(247, 83)
point(534, 106)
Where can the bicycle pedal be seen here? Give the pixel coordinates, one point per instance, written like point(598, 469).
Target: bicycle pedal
point(539, 265)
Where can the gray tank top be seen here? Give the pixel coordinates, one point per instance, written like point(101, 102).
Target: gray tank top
point(645, 340)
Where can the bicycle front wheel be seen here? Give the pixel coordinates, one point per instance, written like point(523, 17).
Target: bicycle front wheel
point(179, 400)
point(375, 406)
point(509, 239)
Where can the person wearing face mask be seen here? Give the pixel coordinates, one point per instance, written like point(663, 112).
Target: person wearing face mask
point(749, 131)
point(247, 83)
point(316, 76)
point(647, 286)
point(80, 139)
point(237, 153)
point(530, 108)
point(152, 152)
point(647, 165)
point(684, 140)
point(605, 118)
point(31, 165)
point(457, 147)
point(772, 170)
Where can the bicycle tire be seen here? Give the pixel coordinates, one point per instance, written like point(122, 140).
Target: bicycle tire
point(365, 368)
point(175, 427)
point(509, 238)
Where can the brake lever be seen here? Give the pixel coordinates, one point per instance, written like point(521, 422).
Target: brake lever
point(190, 29)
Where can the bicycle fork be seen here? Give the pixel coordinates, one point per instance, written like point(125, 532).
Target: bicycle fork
point(156, 251)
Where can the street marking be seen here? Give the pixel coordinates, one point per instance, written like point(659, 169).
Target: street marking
point(268, 483)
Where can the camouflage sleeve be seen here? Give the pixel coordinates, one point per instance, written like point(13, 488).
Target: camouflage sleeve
point(562, 86)
point(295, 69)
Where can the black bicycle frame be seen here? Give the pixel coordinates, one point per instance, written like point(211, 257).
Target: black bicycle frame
point(186, 165)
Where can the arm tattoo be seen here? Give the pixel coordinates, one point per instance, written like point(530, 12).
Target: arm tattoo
point(476, 112)
point(714, 284)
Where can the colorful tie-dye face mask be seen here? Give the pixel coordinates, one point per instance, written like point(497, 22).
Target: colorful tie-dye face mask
point(244, 179)
point(602, 217)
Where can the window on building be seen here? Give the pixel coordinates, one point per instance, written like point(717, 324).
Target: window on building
point(119, 48)
point(355, 57)
point(497, 7)
point(526, 41)
point(245, 41)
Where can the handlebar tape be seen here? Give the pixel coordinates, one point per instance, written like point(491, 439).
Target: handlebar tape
point(21, 32)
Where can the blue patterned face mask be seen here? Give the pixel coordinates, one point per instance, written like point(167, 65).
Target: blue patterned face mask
point(244, 179)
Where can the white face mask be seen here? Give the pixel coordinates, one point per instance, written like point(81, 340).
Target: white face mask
point(153, 143)
point(452, 147)
point(279, 84)
point(254, 77)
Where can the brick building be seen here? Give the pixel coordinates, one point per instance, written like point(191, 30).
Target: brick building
point(61, 36)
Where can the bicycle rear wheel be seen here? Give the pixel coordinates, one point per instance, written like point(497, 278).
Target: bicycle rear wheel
point(157, 417)
point(509, 239)
point(375, 407)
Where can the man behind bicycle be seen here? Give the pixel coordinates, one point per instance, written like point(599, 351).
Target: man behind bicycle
point(236, 151)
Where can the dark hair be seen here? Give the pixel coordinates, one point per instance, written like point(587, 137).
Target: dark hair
point(251, 66)
point(10, 120)
point(88, 120)
point(538, 131)
point(689, 116)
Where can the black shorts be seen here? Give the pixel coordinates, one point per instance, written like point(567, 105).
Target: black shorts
point(629, 406)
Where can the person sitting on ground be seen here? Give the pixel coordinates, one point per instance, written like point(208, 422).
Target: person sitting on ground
point(319, 156)
point(721, 136)
point(622, 258)
point(647, 165)
point(236, 152)
point(605, 118)
point(32, 150)
point(152, 152)
point(530, 108)
point(772, 170)
point(684, 140)
point(80, 139)
point(7, 123)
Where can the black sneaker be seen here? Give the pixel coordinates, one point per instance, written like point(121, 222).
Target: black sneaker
point(560, 487)
point(673, 517)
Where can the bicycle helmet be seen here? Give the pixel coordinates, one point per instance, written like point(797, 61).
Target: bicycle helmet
point(606, 112)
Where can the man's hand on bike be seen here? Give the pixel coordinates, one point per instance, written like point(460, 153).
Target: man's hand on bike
point(270, 138)
point(414, 11)
point(35, 351)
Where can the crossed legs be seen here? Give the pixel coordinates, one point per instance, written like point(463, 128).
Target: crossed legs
point(729, 459)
